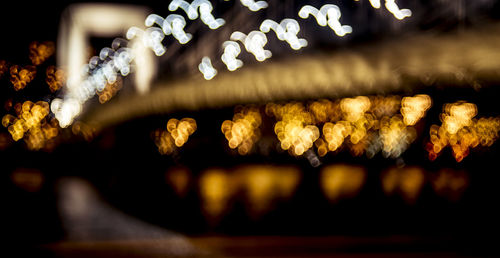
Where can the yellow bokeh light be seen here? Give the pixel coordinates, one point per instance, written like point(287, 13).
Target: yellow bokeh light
point(178, 178)
point(216, 189)
point(458, 115)
point(263, 185)
point(39, 52)
point(295, 127)
point(21, 76)
point(55, 78)
point(385, 105)
point(354, 108)
point(342, 181)
point(414, 108)
point(407, 181)
point(109, 90)
point(450, 184)
point(3, 67)
point(32, 124)
point(244, 130)
point(176, 135)
point(461, 131)
point(325, 111)
point(395, 136)
point(352, 122)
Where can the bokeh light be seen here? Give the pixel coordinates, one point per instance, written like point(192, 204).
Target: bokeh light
point(39, 52)
point(215, 188)
point(178, 178)
point(266, 185)
point(175, 136)
point(406, 181)
point(244, 130)
point(414, 108)
point(342, 181)
point(110, 90)
point(260, 187)
point(3, 67)
point(295, 127)
point(55, 78)
point(33, 124)
point(28, 179)
point(450, 184)
point(461, 131)
point(395, 136)
point(21, 76)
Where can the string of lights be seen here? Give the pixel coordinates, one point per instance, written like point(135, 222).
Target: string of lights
point(99, 72)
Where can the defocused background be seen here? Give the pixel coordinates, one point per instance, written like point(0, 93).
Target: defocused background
point(348, 128)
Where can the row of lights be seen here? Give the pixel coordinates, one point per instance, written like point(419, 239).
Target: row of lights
point(365, 125)
point(32, 123)
point(462, 131)
point(104, 69)
point(21, 76)
point(262, 187)
point(243, 131)
point(175, 136)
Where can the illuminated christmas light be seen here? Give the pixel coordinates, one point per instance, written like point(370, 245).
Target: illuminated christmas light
point(243, 131)
point(32, 124)
point(254, 6)
point(254, 43)
point(286, 30)
point(54, 78)
point(414, 108)
point(231, 51)
point(151, 38)
point(21, 76)
point(375, 3)
point(175, 136)
point(39, 52)
point(99, 73)
point(394, 9)
point(207, 69)
point(328, 14)
point(172, 25)
point(187, 7)
point(205, 8)
point(461, 131)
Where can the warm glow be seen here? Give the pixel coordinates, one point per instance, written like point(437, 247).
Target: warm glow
point(414, 108)
point(178, 178)
point(295, 127)
point(175, 136)
point(39, 52)
point(3, 67)
point(243, 131)
point(407, 181)
point(109, 90)
point(354, 108)
point(450, 184)
point(265, 185)
point(461, 131)
point(458, 115)
point(216, 189)
point(30, 180)
point(342, 181)
point(21, 76)
point(55, 78)
point(395, 136)
point(32, 124)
